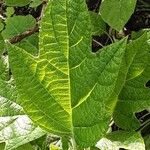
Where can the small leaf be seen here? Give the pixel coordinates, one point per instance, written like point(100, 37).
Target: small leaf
point(9, 11)
point(117, 12)
point(13, 26)
point(19, 3)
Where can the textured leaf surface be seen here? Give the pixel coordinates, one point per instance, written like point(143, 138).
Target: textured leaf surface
point(35, 3)
point(98, 25)
point(17, 2)
point(67, 89)
point(30, 44)
point(121, 139)
point(13, 26)
point(15, 128)
point(135, 96)
point(117, 12)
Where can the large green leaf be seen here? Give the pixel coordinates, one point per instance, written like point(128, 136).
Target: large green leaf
point(121, 139)
point(67, 89)
point(117, 12)
point(135, 96)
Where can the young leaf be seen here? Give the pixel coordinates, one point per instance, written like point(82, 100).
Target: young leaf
point(67, 89)
point(117, 12)
point(30, 44)
point(121, 139)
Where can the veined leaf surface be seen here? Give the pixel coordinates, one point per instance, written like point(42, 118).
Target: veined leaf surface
point(67, 89)
point(117, 12)
point(135, 96)
point(121, 139)
point(16, 128)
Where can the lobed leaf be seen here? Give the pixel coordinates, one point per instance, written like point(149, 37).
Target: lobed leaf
point(67, 89)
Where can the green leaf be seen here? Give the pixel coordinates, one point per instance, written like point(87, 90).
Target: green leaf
point(117, 12)
point(1, 26)
point(9, 11)
point(25, 147)
point(13, 26)
point(139, 58)
point(54, 147)
point(18, 130)
point(59, 88)
point(135, 96)
point(121, 139)
point(2, 146)
point(98, 25)
point(30, 44)
point(15, 128)
point(17, 2)
point(35, 3)
point(147, 142)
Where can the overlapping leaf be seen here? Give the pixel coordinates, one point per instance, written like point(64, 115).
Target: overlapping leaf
point(67, 89)
point(14, 28)
point(135, 96)
point(121, 139)
point(16, 128)
point(117, 12)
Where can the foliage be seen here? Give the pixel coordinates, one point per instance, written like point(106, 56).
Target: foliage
point(56, 93)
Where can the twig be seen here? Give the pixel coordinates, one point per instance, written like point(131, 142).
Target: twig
point(31, 31)
point(23, 35)
point(98, 43)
